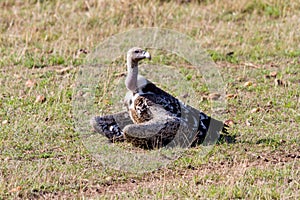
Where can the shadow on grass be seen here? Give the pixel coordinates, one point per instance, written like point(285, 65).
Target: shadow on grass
point(226, 139)
point(222, 139)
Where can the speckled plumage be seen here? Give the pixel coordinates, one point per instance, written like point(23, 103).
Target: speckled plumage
point(156, 118)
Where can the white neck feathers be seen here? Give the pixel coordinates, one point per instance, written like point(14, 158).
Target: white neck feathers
point(132, 74)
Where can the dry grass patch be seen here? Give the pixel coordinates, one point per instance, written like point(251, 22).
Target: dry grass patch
point(256, 46)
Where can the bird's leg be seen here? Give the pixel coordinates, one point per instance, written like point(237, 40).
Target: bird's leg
point(151, 134)
point(111, 125)
point(163, 129)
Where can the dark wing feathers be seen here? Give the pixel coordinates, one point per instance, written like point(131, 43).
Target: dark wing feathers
point(171, 104)
point(111, 125)
point(160, 97)
point(172, 114)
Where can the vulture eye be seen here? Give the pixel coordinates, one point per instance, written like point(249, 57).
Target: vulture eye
point(136, 51)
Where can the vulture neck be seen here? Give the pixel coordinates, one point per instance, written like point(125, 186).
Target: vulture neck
point(132, 74)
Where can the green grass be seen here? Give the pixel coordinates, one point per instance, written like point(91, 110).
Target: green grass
point(43, 156)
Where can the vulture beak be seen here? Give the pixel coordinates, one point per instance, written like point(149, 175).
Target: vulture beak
point(147, 55)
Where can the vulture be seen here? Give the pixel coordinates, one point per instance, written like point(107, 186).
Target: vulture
point(155, 118)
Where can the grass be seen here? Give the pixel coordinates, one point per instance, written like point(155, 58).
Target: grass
point(42, 154)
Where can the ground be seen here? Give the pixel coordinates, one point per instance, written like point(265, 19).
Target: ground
point(255, 45)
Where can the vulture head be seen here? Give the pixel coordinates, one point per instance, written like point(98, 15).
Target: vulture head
point(136, 54)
